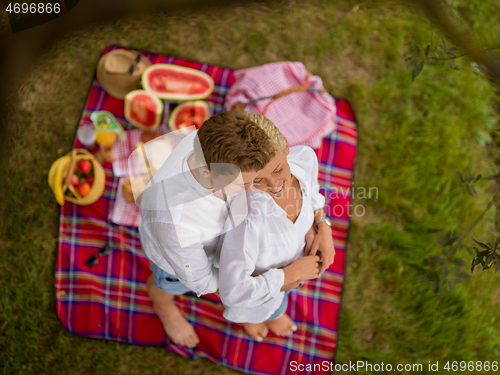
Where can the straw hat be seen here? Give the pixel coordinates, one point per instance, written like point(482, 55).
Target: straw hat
point(119, 71)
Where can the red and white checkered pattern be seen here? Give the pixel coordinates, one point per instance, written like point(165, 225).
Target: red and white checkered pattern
point(129, 164)
point(304, 118)
point(124, 213)
point(123, 149)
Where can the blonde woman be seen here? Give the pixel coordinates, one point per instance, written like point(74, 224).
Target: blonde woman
point(276, 246)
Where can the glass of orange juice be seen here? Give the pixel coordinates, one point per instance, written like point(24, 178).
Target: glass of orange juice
point(107, 139)
point(107, 129)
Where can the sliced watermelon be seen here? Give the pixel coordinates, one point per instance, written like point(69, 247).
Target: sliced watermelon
point(188, 114)
point(173, 82)
point(143, 109)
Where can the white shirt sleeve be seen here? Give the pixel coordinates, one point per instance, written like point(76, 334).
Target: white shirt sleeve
point(190, 263)
point(237, 286)
point(317, 199)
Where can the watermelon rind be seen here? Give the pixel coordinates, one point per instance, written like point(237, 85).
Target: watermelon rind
point(177, 96)
point(177, 109)
point(159, 112)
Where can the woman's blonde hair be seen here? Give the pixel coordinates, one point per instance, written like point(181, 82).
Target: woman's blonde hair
point(271, 130)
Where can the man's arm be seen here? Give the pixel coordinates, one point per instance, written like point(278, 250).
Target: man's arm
point(323, 241)
point(190, 263)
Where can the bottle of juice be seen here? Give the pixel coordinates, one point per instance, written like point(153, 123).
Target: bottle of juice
point(107, 128)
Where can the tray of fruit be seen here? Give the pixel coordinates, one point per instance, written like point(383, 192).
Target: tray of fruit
point(77, 177)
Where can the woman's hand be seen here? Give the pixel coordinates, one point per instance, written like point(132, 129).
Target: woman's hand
point(303, 268)
point(293, 285)
point(323, 243)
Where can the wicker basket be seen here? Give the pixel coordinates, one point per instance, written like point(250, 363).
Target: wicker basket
point(99, 178)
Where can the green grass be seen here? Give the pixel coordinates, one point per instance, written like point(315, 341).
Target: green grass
point(412, 139)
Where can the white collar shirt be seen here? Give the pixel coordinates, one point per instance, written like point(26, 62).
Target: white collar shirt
point(181, 222)
point(252, 254)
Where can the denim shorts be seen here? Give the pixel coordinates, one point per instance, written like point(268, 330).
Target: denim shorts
point(165, 281)
point(282, 309)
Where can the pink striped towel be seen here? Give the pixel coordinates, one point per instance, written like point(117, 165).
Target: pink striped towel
point(304, 117)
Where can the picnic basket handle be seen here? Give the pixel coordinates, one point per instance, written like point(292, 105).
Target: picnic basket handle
point(297, 88)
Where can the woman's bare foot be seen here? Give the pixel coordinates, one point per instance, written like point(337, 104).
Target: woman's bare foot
point(256, 330)
point(283, 326)
point(177, 328)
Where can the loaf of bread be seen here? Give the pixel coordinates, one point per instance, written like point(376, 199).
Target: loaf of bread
point(127, 190)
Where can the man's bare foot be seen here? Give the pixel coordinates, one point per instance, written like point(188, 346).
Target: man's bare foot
point(178, 329)
point(256, 330)
point(283, 326)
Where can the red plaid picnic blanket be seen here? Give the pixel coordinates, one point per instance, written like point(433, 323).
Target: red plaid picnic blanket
point(110, 301)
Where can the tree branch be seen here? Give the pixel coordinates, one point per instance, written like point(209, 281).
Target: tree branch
point(462, 40)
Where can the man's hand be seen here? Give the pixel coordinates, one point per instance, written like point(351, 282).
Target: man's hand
point(311, 233)
point(323, 243)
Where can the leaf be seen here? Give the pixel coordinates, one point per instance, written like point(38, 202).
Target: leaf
point(444, 273)
point(447, 239)
point(452, 49)
point(417, 68)
point(417, 267)
point(459, 175)
point(409, 58)
point(469, 250)
point(435, 284)
point(468, 177)
point(471, 190)
point(449, 54)
point(433, 230)
point(427, 50)
point(436, 259)
point(463, 275)
point(477, 178)
point(476, 261)
point(435, 54)
point(444, 45)
point(415, 48)
point(483, 245)
point(451, 64)
point(459, 262)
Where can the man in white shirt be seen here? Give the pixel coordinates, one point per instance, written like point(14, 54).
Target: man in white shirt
point(185, 206)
